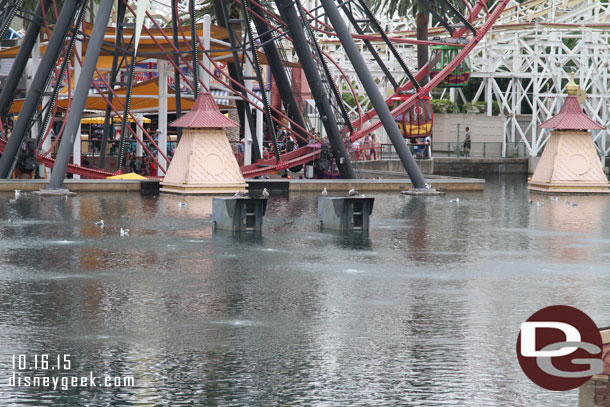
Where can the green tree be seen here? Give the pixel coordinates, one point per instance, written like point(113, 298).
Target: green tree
point(30, 6)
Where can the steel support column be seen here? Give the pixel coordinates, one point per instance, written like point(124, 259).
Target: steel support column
point(243, 108)
point(177, 89)
point(10, 85)
point(377, 99)
point(277, 70)
point(80, 94)
point(119, 45)
point(290, 17)
point(47, 64)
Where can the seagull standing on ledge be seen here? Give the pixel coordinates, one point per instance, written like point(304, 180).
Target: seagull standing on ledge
point(353, 192)
point(241, 193)
point(324, 192)
point(265, 193)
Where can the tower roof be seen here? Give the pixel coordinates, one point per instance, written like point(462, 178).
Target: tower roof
point(205, 114)
point(571, 115)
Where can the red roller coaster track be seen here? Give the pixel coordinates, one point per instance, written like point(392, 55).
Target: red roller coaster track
point(306, 154)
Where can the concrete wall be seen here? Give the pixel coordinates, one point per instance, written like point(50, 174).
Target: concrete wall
point(482, 127)
point(479, 167)
point(454, 166)
point(426, 166)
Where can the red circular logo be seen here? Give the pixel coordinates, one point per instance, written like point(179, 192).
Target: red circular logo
point(559, 348)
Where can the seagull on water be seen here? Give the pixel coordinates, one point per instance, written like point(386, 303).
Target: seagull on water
point(100, 223)
point(265, 193)
point(17, 193)
point(324, 192)
point(181, 204)
point(124, 232)
point(455, 200)
point(353, 192)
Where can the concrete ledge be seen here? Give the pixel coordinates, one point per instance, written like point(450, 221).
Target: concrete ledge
point(82, 185)
point(229, 188)
point(480, 166)
point(570, 188)
point(426, 166)
point(392, 185)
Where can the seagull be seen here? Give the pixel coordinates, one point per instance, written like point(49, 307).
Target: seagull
point(554, 199)
point(574, 204)
point(353, 192)
point(540, 203)
point(455, 200)
point(181, 204)
point(17, 193)
point(265, 193)
point(324, 192)
point(124, 232)
point(241, 193)
point(566, 202)
point(100, 223)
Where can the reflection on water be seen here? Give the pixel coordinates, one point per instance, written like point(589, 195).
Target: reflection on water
point(422, 310)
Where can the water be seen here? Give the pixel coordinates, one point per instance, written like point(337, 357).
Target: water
point(424, 311)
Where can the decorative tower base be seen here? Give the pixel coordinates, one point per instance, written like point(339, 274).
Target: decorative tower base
point(204, 162)
point(569, 164)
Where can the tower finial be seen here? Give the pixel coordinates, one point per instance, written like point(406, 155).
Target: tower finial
point(572, 87)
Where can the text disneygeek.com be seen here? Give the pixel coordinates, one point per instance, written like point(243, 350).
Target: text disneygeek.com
point(24, 367)
point(69, 382)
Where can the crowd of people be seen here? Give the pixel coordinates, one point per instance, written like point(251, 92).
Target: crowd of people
point(144, 166)
point(367, 148)
point(421, 147)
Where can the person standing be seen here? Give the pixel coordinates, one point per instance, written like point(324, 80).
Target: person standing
point(356, 149)
point(427, 147)
point(374, 147)
point(467, 142)
point(366, 147)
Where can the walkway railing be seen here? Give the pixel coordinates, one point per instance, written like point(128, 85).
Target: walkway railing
point(453, 149)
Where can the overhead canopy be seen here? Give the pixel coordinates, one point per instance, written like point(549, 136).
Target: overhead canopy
point(148, 48)
point(144, 98)
point(100, 120)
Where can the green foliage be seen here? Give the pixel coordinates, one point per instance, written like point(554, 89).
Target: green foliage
point(391, 7)
point(482, 107)
point(207, 7)
point(444, 106)
point(30, 6)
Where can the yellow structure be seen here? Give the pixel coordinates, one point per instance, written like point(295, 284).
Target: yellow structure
point(204, 162)
point(570, 163)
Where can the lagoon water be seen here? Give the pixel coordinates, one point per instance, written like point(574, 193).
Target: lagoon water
point(422, 311)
